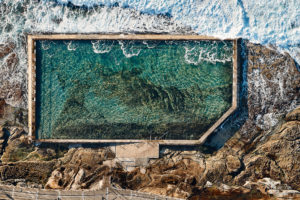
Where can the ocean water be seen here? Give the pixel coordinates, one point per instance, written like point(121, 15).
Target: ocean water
point(95, 89)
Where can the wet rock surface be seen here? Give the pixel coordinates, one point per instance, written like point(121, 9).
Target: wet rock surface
point(5, 49)
point(10, 90)
point(273, 87)
point(11, 116)
point(260, 161)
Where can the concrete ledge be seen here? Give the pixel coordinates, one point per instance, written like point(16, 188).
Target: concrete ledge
point(138, 150)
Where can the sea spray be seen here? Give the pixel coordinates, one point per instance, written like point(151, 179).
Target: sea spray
point(266, 22)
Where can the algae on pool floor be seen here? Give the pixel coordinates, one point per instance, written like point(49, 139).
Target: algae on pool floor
point(131, 89)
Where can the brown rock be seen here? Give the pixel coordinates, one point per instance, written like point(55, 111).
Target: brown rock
point(37, 172)
point(1, 130)
point(269, 92)
point(5, 49)
point(227, 193)
point(54, 181)
point(233, 163)
point(277, 158)
point(17, 148)
point(12, 116)
point(2, 105)
point(12, 93)
point(12, 61)
point(294, 115)
point(215, 170)
point(80, 169)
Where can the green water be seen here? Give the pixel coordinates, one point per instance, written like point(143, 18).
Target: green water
point(131, 89)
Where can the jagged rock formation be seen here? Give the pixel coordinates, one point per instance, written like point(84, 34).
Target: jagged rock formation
point(82, 169)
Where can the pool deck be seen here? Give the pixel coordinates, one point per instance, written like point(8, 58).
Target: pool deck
point(32, 82)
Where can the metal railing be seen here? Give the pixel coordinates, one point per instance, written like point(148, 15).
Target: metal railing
point(110, 193)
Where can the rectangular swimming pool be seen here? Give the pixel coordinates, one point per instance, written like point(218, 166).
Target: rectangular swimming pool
point(131, 89)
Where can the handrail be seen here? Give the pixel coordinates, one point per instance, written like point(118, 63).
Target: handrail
point(13, 192)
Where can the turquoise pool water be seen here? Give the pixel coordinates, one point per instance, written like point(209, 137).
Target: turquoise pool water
point(89, 89)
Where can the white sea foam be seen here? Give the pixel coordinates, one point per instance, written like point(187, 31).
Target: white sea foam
point(100, 46)
point(71, 46)
point(129, 49)
point(45, 45)
point(266, 22)
point(207, 52)
point(149, 46)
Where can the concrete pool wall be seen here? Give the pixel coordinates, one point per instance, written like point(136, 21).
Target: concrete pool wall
point(32, 83)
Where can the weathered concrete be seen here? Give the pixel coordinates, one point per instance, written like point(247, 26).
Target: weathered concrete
point(138, 150)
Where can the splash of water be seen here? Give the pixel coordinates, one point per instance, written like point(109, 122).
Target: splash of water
point(71, 46)
point(102, 46)
point(129, 48)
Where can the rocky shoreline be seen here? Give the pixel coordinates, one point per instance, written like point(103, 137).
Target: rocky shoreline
point(260, 161)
